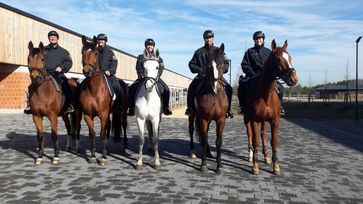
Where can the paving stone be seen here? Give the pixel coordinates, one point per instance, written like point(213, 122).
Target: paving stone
point(321, 162)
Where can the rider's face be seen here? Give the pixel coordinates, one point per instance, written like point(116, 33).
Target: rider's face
point(259, 41)
point(53, 39)
point(150, 48)
point(101, 43)
point(208, 40)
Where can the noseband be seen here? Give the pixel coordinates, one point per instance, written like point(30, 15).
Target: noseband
point(91, 71)
point(153, 81)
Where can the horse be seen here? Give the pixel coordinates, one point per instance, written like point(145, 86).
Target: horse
point(45, 100)
point(263, 104)
point(95, 100)
point(148, 110)
point(211, 103)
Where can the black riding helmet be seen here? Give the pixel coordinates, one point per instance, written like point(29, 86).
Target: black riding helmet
point(149, 41)
point(54, 33)
point(208, 34)
point(258, 34)
point(102, 36)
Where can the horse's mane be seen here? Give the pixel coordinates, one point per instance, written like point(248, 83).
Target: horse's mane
point(155, 55)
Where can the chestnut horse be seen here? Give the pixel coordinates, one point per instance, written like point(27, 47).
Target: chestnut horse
point(45, 100)
point(95, 100)
point(263, 104)
point(211, 103)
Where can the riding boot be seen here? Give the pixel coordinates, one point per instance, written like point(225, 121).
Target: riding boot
point(190, 97)
point(69, 101)
point(27, 109)
point(166, 108)
point(228, 89)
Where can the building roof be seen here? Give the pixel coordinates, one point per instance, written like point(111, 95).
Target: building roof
point(338, 87)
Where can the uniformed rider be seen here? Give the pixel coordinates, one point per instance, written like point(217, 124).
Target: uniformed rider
point(198, 65)
point(149, 52)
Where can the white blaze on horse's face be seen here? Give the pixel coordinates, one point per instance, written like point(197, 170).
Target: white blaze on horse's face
point(215, 73)
point(286, 57)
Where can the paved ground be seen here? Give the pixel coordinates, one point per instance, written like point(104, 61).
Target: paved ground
point(321, 162)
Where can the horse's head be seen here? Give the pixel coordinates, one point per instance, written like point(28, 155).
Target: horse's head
point(89, 56)
point(151, 71)
point(36, 62)
point(281, 61)
point(215, 67)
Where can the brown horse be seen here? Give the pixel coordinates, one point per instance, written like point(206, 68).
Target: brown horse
point(211, 104)
point(45, 100)
point(263, 104)
point(95, 99)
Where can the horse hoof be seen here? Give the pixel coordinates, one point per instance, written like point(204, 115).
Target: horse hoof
point(157, 167)
point(220, 170)
point(55, 161)
point(256, 171)
point(203, 169)
point(92, 160)
point(277, 172)
point(192, 156)
point(138, 167)
point(267, 160)
point(38, 161)
point(103, 162)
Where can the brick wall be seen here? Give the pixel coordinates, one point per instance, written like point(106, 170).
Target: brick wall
point(14, 81)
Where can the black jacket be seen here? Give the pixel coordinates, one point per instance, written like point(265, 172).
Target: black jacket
point(57, 57)
point(253, 60)
point(107, 60)
point(198, 63)
point(140, 64)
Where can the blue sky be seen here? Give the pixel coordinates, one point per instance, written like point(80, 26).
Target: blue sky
point(321, 33)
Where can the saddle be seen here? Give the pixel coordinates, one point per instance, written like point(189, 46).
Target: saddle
point(142, 82)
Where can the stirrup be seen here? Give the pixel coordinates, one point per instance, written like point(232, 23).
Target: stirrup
point(70, 109)
point(188, 112)
point(168, 112)
point(229, 115)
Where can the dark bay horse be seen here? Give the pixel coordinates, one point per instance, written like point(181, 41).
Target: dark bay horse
point(45, 100)
point(263, 104)
point(95, 100)
point(211, 104)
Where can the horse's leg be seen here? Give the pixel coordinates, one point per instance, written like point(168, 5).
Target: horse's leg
point(76, 118)
point(264, 143)
point(274, 130)
point(141, 126)
point(92, 137)
point(105, 124)
point(155, 129)
point(67, 123)
point(124, 126)
point(249, 135)
point(54, 128)
point(220, 128)
point(255, 166)
point(203, 132)
point(208, 152)
point(191, 135)
point(150, 147)
point(38, 121)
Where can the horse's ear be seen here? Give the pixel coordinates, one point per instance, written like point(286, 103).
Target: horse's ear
point(84, 40)
point(285, 45)
point(157, 53)
point(41, 47)
point(30, 46)
point(273, 45)
point(95, 40)
point(221, 49)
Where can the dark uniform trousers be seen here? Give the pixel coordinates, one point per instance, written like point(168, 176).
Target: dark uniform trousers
point(115, 85)
point(163, 88)
point(194, 86)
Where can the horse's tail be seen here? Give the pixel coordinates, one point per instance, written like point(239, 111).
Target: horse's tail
point(197, 128)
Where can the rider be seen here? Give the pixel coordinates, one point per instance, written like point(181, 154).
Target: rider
point(108, 63)
point(57, 62)
point(252, 65)
point(198, 65)
point(149, 52)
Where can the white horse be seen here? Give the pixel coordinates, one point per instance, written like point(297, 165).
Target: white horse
point(148, 109)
